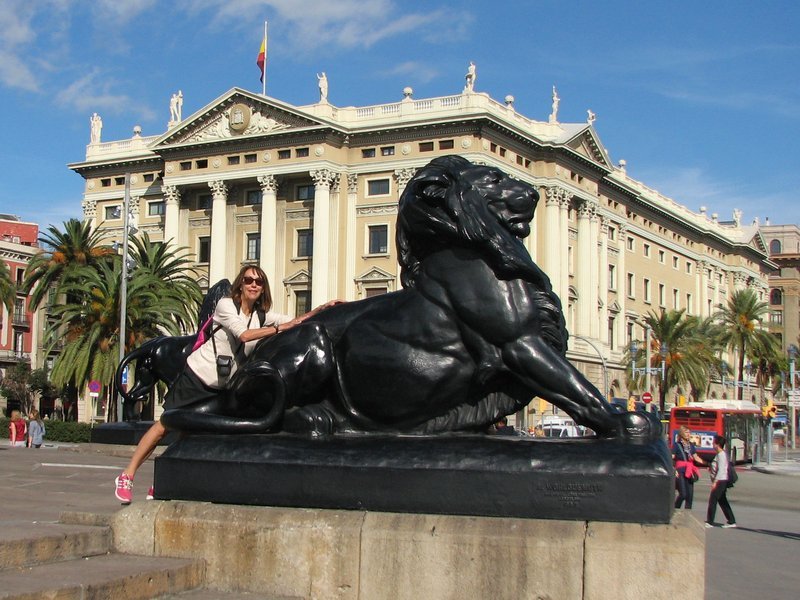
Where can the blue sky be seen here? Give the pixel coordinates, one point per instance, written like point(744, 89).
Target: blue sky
point(700, 98)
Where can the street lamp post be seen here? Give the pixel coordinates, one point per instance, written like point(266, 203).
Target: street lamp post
point(602, 361)
point(793, 428)
point(647, 370)
point(123, 303)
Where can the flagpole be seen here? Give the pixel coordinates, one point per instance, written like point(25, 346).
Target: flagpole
point(264, 79)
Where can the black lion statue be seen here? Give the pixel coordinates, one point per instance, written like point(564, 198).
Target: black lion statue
point(474, 335)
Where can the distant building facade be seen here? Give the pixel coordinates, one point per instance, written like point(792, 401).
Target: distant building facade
point(20, 329)
point(310, 194)
point(783, 243)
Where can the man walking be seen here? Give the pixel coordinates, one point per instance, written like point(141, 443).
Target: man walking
point(719, 486)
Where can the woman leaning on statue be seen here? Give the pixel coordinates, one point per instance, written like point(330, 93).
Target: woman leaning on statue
point(209, 367)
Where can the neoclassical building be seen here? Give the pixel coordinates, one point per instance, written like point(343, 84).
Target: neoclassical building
point(310, 194)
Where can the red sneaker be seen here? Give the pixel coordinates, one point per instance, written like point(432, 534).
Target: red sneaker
point(150, 493)
point(124, 491)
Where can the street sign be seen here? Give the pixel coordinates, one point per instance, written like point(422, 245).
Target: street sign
point(647, 397)
point(793, 398)
point(125, 375)
point(95, 386)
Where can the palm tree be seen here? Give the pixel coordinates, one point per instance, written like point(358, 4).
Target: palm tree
point(674, 341)
point(741, 333)
point(8, 291)
point(170, 265)
point(90, 324)
point(67, 254)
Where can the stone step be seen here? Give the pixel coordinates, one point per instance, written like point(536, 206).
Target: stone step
point(117, 576)
point(206, 594)
point(25, 544)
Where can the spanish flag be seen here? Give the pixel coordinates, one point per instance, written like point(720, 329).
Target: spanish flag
point(262, 57)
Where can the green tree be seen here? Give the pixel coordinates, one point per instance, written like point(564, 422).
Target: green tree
point(15, 388)
point(741, 332)
point(66, 255)
point(8, 291)
point(685, 356)
point(41, 384)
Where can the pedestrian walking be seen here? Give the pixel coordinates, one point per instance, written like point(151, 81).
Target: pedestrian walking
point(36, 430)
point(17, 430)
point(719, 485)
point(684, 453)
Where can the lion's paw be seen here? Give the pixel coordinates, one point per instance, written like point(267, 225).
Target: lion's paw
point(314, 419)
point(638, 426)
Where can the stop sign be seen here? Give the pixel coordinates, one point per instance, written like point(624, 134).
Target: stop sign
point(647, 397)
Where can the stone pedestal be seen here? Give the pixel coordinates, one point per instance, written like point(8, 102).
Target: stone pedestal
point(358, 555)
point(494, 476)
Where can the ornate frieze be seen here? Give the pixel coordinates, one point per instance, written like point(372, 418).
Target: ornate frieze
point(199, 222)
point(246, 219)
point(352, 183)
point(298, 215)
point(377, 209)
point(89, 209)
point(403, 176)
point(240, 119)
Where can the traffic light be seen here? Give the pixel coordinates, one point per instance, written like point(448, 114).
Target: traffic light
point(632, 404)
point(770, 411)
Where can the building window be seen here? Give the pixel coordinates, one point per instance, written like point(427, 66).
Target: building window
point(113, 212)
point(776, 297)
point(688, 267)
point(203, 201)
point(305, 243)
point(105, 182)
point(446, 145)
point(631, 286)
point(675, 262)
point(387, 151)
point(186, 165)
point(689, 304)
point(646, 250)
point(149, 177)
point(119, 181)
point(21, 276)
point(251, 158)
point(426, 146)
point(631, 244)
point(203, 249)
point(378, 239)
point(233, 160)
point(612, 277)
point(301, 153)
point(201, 164)
point(253, 246)
point(612, 234)
point(646, 288)
point(155, 209)
point(378, 187)
point(776, 317)
point(368, 153)
point(675, 299)
point(662, 295)
point(305, 192)
point(252, 197)
point(775, 247)
point(661, 256)
point(19, 344)
point(375, 291)
point(284, 154)
point(302, 302)
point(611, 329)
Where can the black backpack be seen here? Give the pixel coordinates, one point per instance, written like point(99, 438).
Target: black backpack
point(733, 476)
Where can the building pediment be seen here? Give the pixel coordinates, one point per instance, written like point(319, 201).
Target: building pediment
point(236, 114)
point(587, 144)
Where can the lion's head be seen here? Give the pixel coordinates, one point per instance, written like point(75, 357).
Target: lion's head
point(453, 202)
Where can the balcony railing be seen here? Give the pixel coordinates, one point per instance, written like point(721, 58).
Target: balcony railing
point(14, 356)
point(20, 320)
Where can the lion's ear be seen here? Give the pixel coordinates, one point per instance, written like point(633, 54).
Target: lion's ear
point(431, 185)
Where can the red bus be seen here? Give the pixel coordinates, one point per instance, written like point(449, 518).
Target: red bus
point(738, 421)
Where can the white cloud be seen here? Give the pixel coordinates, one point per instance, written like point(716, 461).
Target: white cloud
point(92, 93)
point(420, 72)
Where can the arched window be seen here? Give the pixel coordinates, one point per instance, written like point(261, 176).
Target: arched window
point(775, 247)
point(776, 297)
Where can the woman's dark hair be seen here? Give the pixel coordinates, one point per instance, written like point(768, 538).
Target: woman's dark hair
point(264, 300)
point(720, 441)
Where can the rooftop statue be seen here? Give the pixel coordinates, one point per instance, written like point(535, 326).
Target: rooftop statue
point(475, 333)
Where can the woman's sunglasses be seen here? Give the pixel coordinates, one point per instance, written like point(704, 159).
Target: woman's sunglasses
point(250, 280)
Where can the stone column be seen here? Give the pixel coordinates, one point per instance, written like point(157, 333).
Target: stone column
point(172, 206)
point(602, 278)
point(595, 326)
point(701, 282)
point(552, 240)
point(321, 260)
point(622, 285)
point(739, 281)
point(587, 301)
point(350, 237)
point(90, 212)
point(715, 272)
point(563, 245)
point(268, 228)
point(402, 177)
point(219, 227)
